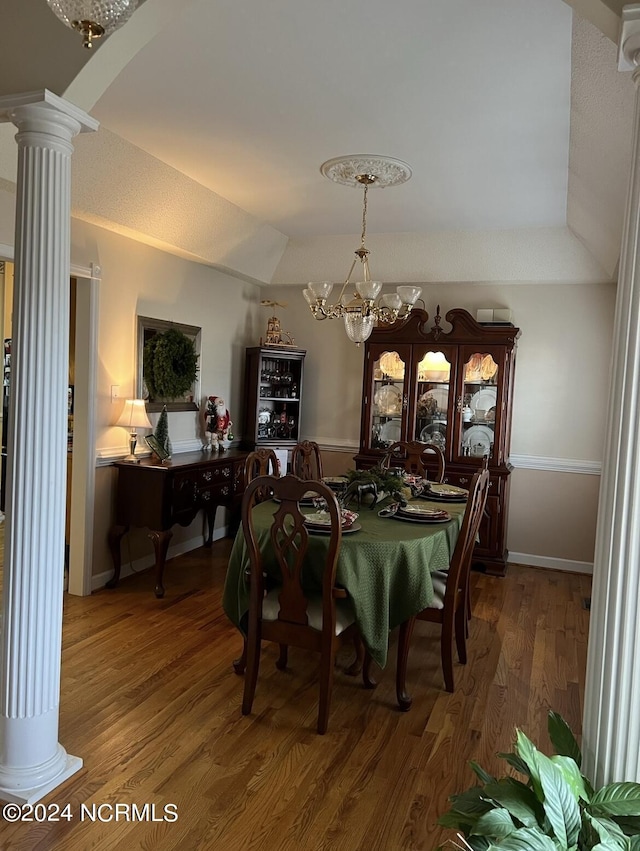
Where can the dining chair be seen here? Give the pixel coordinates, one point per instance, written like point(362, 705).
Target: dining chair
point(423, 459)
point(261, 462)
point(306, 460)
point(451, 604)
point(287, 614)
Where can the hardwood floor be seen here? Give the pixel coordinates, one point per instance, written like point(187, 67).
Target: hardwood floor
point(150, 702)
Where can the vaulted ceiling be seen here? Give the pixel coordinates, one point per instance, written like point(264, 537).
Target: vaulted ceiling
point(215, 118)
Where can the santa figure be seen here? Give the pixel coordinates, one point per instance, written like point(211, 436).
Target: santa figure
point(219, 419)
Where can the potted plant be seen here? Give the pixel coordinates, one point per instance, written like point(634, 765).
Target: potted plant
point(554, 809)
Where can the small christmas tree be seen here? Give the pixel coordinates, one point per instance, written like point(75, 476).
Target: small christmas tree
point(162, 431)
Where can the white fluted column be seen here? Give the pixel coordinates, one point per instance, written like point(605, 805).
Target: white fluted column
point(611, 724)
point(32, 761)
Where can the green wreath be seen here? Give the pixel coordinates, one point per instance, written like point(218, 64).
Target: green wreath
point(170, 364)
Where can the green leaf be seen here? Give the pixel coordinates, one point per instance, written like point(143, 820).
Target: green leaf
point(496, 823)
point(480, 773)
point(605, 831)
point(457, 821)
point(472, 802)
point(560, 804)
point(515, 762)
point(562, 738)
point(527, 752)
point(571, 773)
point(634, 843)
point(526, 839)
point(630, 825)
point(616, 799)
point(520, 800)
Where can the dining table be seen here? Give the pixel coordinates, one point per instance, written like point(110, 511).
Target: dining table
point(385, 564)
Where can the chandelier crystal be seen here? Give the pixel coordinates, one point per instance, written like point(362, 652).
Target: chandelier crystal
point(361, 311)
point(93, 18)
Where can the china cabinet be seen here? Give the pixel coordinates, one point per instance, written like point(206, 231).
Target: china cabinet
point(450, 388)
point(273, 382)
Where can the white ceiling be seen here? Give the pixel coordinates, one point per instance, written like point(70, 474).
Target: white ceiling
point(250, 98)
point(216, 117)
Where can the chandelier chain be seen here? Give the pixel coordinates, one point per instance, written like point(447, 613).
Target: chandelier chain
point(364, 215)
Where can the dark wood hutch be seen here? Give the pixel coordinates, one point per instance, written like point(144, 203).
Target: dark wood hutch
point(450, 388)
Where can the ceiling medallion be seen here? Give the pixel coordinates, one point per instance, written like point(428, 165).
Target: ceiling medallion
point(387, 171)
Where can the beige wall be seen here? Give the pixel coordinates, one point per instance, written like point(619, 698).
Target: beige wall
point(140, 280)
point(559, 406)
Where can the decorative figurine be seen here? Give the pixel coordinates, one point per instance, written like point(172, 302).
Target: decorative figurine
point(217, 429)
point(274, 329)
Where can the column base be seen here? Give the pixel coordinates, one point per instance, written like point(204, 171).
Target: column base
point(70, 766)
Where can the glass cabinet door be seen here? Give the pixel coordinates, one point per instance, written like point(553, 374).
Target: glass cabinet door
point(388, 396)
point(478, 404)
point(430, 409)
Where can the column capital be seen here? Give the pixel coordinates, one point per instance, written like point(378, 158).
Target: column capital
point(13, 108)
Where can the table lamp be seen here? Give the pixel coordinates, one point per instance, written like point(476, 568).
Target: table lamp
point(133, 416)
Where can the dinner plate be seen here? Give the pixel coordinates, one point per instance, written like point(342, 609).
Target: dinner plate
point(489, 368)
point(426, 435)
point(388, 399)
point(483, 400)
point(424, 511)
point(439, 394)
point(478, 440)
point(319, 530)
point(392, 365)
point(447, 490)
point(433, 497)
point(390, 431)
point(410, 519)
point(322, 519)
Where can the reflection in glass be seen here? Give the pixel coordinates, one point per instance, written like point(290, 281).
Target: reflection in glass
point(387, 400)
point(480, 401)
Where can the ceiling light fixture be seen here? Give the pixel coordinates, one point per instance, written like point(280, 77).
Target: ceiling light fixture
point(93, 18)
point(360, 311)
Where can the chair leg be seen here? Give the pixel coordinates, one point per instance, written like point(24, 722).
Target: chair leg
point(462, 633)
point(404, 642)
point(327, 661)
point(283, 658)
point(355, 667)
point(251, 677)
point(240, 663)
point(367, 679)
point(446, 652)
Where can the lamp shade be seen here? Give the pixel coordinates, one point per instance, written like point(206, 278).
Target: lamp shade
point(134, 415)
point(93, 18)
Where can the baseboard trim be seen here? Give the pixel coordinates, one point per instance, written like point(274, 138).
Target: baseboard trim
point(565, 564)
point(100, 579)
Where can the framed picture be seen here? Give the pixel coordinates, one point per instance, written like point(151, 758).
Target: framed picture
point(153, 333)
point(155, 446)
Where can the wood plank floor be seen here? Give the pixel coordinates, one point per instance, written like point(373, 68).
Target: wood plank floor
point(151, 704)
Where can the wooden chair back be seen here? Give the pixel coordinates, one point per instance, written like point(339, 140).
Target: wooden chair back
point(421, 459)
point(288, 614)
point(306, 461)
point(451, 588)
point(261, 462)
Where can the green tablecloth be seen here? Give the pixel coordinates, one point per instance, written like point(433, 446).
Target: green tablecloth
point(385, 567)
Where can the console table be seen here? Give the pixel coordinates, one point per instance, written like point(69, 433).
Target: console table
point(159, 495)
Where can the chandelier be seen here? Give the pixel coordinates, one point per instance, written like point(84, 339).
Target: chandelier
point(93, 18)
point(360, 310)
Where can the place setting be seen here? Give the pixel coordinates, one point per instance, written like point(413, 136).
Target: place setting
point(435, 491)
point(414, 513)
point(319, 522)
